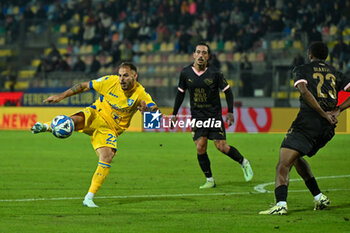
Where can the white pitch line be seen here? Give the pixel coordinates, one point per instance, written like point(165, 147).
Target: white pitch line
point(179, 194)
point(261, 187)
point(132, 196)
point(156, 196)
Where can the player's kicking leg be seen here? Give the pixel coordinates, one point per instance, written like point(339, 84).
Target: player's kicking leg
point(78, 119)
point(303, 169)
point(234, 154)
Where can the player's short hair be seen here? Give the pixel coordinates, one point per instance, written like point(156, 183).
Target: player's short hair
point(130, 65)
point(202, 43)
point(319, 50)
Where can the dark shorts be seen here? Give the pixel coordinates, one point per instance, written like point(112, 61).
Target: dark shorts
point(212, 133)
point(308, 135)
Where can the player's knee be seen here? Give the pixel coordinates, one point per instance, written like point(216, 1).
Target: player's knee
point(106, 154)
point(282, 165)
point(79, 120)
point(201, 149)
point(222, 147)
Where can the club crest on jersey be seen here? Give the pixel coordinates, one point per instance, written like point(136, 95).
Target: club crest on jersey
point(130, 102)
point(208, 81)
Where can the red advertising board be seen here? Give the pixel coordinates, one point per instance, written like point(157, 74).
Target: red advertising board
point(10, 98)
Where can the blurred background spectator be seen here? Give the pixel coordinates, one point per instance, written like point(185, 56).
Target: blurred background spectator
point(298, 60)
point(246, 67)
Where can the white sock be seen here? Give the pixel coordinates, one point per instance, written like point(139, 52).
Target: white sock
point(210, 179)
point(281, 203)
point(244, 162)
point(90, 195)
point(317, 197)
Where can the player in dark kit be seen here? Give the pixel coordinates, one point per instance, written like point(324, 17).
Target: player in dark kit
point(203, 84)
point(314, 126)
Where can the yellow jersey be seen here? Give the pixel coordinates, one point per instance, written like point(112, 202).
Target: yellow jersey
point(115, 105)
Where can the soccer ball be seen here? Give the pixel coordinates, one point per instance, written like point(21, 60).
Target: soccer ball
point(62, 126)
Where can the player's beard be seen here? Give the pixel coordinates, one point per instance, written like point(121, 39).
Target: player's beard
point(127, 86)
point(201, 63)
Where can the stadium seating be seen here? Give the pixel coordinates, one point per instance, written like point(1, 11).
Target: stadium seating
point(5, 52)
point(228, 47)
point(237, 57)
point(21, 85)
point(26, 73)
point(63, 41)
point(158, 58)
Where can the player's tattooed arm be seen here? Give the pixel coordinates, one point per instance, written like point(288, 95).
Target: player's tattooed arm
point(78, 88)
point(81, 87)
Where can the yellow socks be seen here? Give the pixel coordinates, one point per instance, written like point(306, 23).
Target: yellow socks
point(99, 176)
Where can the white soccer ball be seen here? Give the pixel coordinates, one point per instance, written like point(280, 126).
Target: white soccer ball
point(62, 126)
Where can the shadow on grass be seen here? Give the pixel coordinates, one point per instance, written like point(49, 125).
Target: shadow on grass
point(329, 208)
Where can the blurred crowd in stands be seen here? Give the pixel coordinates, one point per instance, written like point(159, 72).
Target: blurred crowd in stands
point(115, 27)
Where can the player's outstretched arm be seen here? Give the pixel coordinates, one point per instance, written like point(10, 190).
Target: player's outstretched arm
point(78, 88)
point(312, 102)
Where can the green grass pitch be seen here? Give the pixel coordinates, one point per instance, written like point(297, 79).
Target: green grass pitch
point(154, 184)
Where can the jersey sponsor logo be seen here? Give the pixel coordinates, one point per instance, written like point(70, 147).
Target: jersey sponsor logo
point(120, 108)
point(110, 93)
point(130, 102)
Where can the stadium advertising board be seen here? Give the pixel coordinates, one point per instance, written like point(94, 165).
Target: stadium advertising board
point(11, 98)
point(23, 118)
point(36, 96)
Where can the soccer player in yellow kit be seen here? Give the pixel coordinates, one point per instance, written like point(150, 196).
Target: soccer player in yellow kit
point(107, 118)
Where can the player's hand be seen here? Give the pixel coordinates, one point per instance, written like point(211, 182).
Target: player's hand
point(143, 107)
point(336, 112)
point(229, 118)
point(331, 118)
point(173, 121)
point(54, 99)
